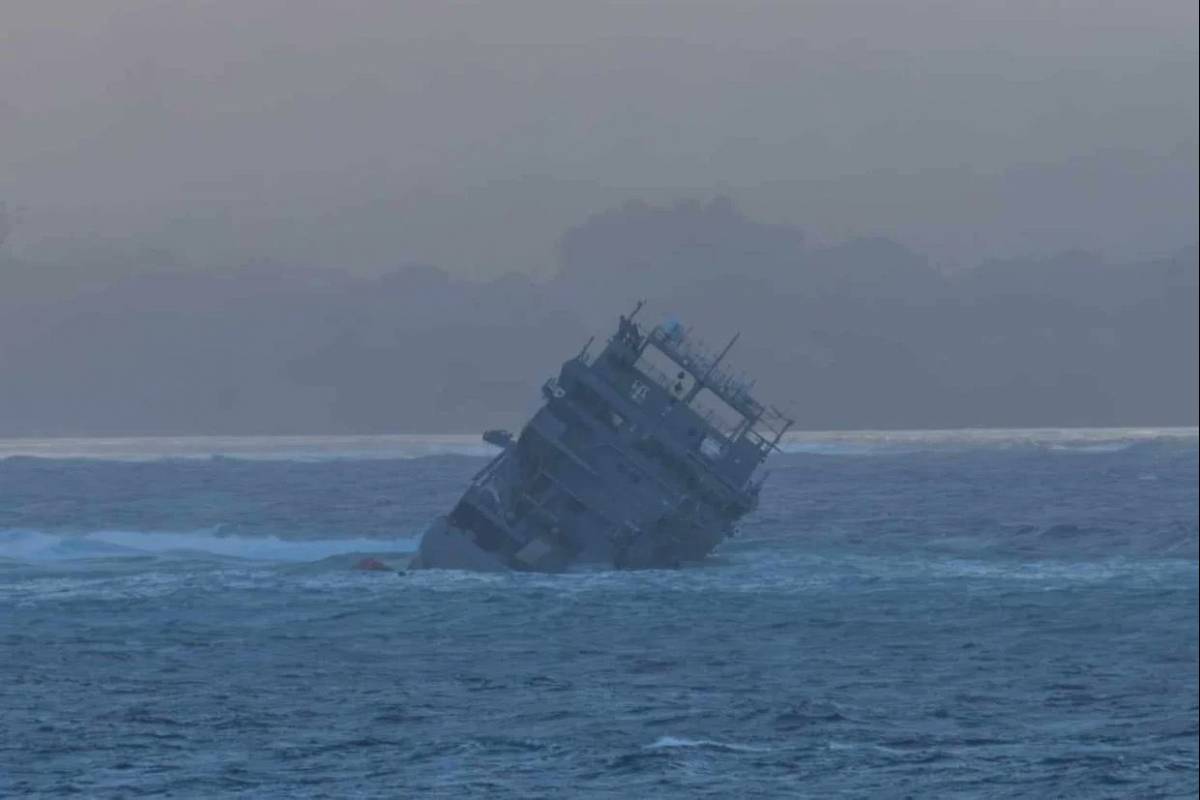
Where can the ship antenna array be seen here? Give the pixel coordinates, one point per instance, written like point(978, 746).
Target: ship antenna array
point(718, 359)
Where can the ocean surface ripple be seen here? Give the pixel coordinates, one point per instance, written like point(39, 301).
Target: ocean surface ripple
point(905, 616)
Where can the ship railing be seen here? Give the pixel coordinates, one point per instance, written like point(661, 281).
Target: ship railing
point(696, 358)
point(656, 375)
point(686, 353)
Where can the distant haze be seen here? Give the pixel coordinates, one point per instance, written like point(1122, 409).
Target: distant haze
point(287, 216)
point(470, 135)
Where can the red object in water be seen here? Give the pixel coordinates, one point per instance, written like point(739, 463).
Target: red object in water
point(372, 564)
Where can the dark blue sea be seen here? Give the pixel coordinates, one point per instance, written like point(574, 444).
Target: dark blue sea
point(996, 614)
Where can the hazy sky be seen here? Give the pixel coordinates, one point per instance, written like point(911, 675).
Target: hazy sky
point(368, 134)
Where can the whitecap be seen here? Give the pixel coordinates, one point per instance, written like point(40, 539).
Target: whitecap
point(249, 448)
point(670, 742)
point(880, 442)
point(26, 545)
point(404, 446)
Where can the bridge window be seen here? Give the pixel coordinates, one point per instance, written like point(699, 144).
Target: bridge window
point(720, 414)
point(660, 368)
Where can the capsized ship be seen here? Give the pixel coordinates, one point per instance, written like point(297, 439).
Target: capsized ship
point(643, 456)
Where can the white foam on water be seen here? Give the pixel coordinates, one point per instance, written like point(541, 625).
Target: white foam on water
point(1109, 447)
point(250, 448)
point(1079, 440)
point(400, 446)
point(671, 742)
point(891, 751)
point(22, 545)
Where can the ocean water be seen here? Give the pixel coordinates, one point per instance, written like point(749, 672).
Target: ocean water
point(955, 614)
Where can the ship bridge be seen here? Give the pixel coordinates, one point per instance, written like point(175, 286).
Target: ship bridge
point(686, 368)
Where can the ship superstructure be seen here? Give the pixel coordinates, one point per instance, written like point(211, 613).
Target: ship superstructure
point(644, 455)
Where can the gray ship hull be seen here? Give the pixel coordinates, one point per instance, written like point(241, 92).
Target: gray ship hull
point(445, 546)
point(627, 465)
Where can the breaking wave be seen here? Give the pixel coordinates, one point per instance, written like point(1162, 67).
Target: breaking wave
point(675, 742)
point(1067, 440)
point(39, 546)
point(406, 446)
point(247, 448)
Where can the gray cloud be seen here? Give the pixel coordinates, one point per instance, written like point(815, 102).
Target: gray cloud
point(929, 213)
point(366, 134)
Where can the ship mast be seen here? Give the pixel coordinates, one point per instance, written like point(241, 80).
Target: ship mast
point(700, 384)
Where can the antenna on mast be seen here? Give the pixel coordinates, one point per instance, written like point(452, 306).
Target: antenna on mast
point(728, 347)
point(700, 384)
